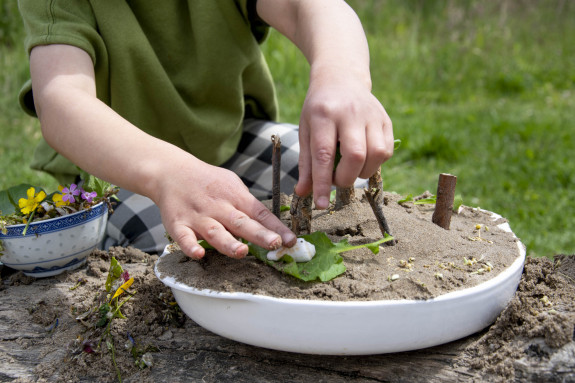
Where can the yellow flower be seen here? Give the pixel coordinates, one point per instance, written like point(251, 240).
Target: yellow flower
point(31, 203)
point(124, 287)
point(57, 198)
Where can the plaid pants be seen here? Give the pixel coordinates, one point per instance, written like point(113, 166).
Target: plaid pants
point(136, 219)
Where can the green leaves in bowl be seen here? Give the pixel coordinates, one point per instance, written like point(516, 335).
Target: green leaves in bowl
point(324, 266)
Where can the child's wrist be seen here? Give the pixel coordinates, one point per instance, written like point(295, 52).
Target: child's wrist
point(336, 72)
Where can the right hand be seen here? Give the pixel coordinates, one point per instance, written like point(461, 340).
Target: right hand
point(212, 203)
point(196, 200)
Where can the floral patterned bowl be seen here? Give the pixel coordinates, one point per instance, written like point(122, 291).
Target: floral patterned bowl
point(54, 245)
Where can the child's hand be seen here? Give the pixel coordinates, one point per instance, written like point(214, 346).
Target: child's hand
point(340, 109)
point(213, 204)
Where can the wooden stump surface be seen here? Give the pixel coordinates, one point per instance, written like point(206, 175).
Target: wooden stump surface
point(192, 354)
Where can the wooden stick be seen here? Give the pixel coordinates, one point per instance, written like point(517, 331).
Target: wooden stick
point(300, 211)
point(444, 200)
point(343, 197)
point(375, 182)
point(276, 170)
point(377, 210)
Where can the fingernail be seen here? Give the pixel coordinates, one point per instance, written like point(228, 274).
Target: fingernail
point(322, 203)
point(240, 251)
point(196, 253)
point(289, 238)
point(274, 241)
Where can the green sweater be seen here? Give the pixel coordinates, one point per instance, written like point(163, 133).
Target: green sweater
point(185, 71)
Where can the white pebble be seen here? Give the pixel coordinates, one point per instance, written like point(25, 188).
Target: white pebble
point(302, 251)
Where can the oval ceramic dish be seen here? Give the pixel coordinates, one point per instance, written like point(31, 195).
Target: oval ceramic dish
point(349, 328)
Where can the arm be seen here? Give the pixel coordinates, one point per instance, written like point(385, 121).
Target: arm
point(339, 106)
point(93, 136)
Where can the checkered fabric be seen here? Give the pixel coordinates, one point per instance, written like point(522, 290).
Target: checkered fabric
point(136, 219)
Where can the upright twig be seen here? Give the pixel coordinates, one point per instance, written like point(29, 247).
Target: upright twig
point(378, 212)
point(343, 196)
point(444, 200)
point(300, 211)
point(375, 182)
point(276, 169)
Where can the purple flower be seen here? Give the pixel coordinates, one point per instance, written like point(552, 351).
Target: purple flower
point(88, 347)
point(88, 196)
point(125, 276)
point(69, 194)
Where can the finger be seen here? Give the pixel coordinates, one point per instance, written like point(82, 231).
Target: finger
point(304, 184)
point(378, 151)
point(265, 227)
point(188, 242)
point(221, 239)
point(353, 154)
point(323, 144)
point(380, 147)
point(242, 225)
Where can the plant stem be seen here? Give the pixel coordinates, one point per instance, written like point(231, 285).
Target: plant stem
point(112, 349)
point(386, 239)
point(28, 222)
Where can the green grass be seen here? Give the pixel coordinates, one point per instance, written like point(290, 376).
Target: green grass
point(482, 90)
point(19, 133)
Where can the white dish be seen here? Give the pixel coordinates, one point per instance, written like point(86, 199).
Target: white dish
point(349, 328)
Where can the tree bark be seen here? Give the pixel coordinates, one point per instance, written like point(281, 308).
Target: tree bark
point(276, 171)
point(300, 210)
point(375, 182)
point(444, 200)
point(343, 197)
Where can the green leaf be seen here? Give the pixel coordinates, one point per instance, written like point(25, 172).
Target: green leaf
point(6, 206)
point(103, 310)
point(430, 200)
point(457, 202)
point(408, 198)
point(284, 208)
point(92, 183)
point(114, 273)
point(205, 245)
point(337, 157)
point(9, 198)
point(324, 266)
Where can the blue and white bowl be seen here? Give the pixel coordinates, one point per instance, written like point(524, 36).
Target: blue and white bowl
point(54, 245)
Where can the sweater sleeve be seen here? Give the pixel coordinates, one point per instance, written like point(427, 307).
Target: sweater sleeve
point(69, 22)
point(258, 26)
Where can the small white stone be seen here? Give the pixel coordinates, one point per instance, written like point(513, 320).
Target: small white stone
point(302, 251)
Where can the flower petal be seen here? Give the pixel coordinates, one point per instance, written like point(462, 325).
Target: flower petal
point(40, 196)
point(124, 287)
